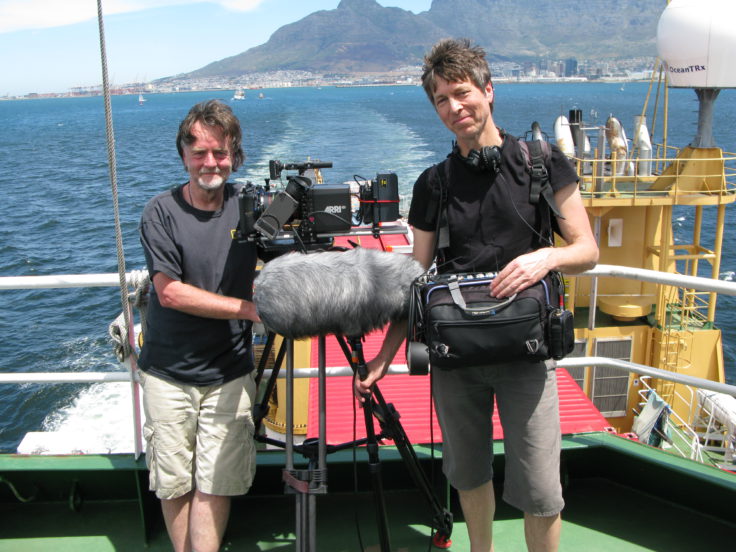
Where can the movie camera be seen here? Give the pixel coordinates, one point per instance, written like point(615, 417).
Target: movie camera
point(309, 215)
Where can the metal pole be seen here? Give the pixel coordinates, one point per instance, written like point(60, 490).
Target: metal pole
point(594, 281)
point(134, 389)
point(289, 445)
point(322, 367)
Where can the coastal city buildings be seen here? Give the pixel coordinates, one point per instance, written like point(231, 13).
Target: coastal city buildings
point(532, 71)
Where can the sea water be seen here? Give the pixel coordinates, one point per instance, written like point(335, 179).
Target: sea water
point(56, 207)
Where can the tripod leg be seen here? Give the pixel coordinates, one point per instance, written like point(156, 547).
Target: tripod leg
point(357, 360)
point(264, 357)
point(261, 409)
point(305, 484)
point(374, 469)
point(388, 419)
point(298, 481)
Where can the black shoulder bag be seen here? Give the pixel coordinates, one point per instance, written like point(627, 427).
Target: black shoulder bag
point(455, 323)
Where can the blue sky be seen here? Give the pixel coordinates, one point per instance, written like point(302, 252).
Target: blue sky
point(53, 45)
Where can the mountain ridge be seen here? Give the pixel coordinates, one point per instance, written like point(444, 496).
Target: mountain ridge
point(363, 36)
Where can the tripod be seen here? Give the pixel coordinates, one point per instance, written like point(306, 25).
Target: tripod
point(307, 483)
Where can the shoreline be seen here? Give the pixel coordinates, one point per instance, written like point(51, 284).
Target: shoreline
point(496, 81)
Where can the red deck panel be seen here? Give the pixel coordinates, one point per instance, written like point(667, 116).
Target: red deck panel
point(411, 394)
point(410, 397)
point(371, 242)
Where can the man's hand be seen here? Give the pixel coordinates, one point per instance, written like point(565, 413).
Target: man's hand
point(522, 272)
point(376, 369)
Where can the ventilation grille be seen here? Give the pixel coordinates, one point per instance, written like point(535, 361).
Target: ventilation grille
point(610, 387)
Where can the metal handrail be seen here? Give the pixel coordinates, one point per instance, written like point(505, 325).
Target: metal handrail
point(112, 280)
point(55, 281)
point(599, 182)
point(336, 371)
point(697, 283)
point(64, 377)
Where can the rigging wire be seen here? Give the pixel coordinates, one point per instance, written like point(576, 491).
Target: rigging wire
point(112, 164)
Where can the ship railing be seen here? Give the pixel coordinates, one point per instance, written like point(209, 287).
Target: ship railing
point(698, 283)
point(111, 280)
point(688, 301)
point(709, 433)
point(715, 422)
point(703, 172)
point(676, 433)
point(337, 371)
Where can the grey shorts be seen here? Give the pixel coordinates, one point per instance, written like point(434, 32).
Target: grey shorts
point(199, 437)
point(528, 408)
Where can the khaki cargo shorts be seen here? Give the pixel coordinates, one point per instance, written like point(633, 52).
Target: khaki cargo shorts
point(199, 437)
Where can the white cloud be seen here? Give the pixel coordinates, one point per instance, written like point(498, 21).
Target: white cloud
point(18, 15)
point(240, 5)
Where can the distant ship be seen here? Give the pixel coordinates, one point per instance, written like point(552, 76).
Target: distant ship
point(238, 95)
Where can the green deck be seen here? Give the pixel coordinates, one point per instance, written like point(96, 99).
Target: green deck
point(620, 496)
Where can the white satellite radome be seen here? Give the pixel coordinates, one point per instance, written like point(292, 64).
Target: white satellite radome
point(696, 40)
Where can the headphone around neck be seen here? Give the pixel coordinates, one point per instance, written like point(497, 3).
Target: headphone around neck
point(488, 159)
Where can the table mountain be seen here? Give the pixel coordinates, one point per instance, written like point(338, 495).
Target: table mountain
point(363, 36)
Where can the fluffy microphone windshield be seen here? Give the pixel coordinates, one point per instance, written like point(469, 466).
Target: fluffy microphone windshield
point(349, 293)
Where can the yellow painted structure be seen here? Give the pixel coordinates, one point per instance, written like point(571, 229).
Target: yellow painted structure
point(275, 419)
point(646, 323)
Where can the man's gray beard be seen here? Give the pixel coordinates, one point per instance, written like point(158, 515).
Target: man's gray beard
point(212, 185)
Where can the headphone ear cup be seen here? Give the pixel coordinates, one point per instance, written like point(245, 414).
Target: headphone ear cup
point(491, 159)
point(474, 161)
point(488, 159)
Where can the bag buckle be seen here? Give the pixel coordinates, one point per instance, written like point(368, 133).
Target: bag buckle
point(532, 346)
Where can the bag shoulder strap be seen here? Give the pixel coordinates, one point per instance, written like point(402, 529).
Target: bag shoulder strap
point(439, 176)
point(537, 155)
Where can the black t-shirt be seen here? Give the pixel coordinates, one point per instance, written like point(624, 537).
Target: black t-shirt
point(491, 220)
point(196, 247)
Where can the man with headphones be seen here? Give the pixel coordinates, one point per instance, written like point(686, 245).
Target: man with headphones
point(493, 227)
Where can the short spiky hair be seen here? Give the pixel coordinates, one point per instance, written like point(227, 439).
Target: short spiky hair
point(216, 114)
point(454, 60)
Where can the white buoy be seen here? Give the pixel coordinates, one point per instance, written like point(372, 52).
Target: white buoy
point(563, 136)
point(643, 145)
point(617, 143)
